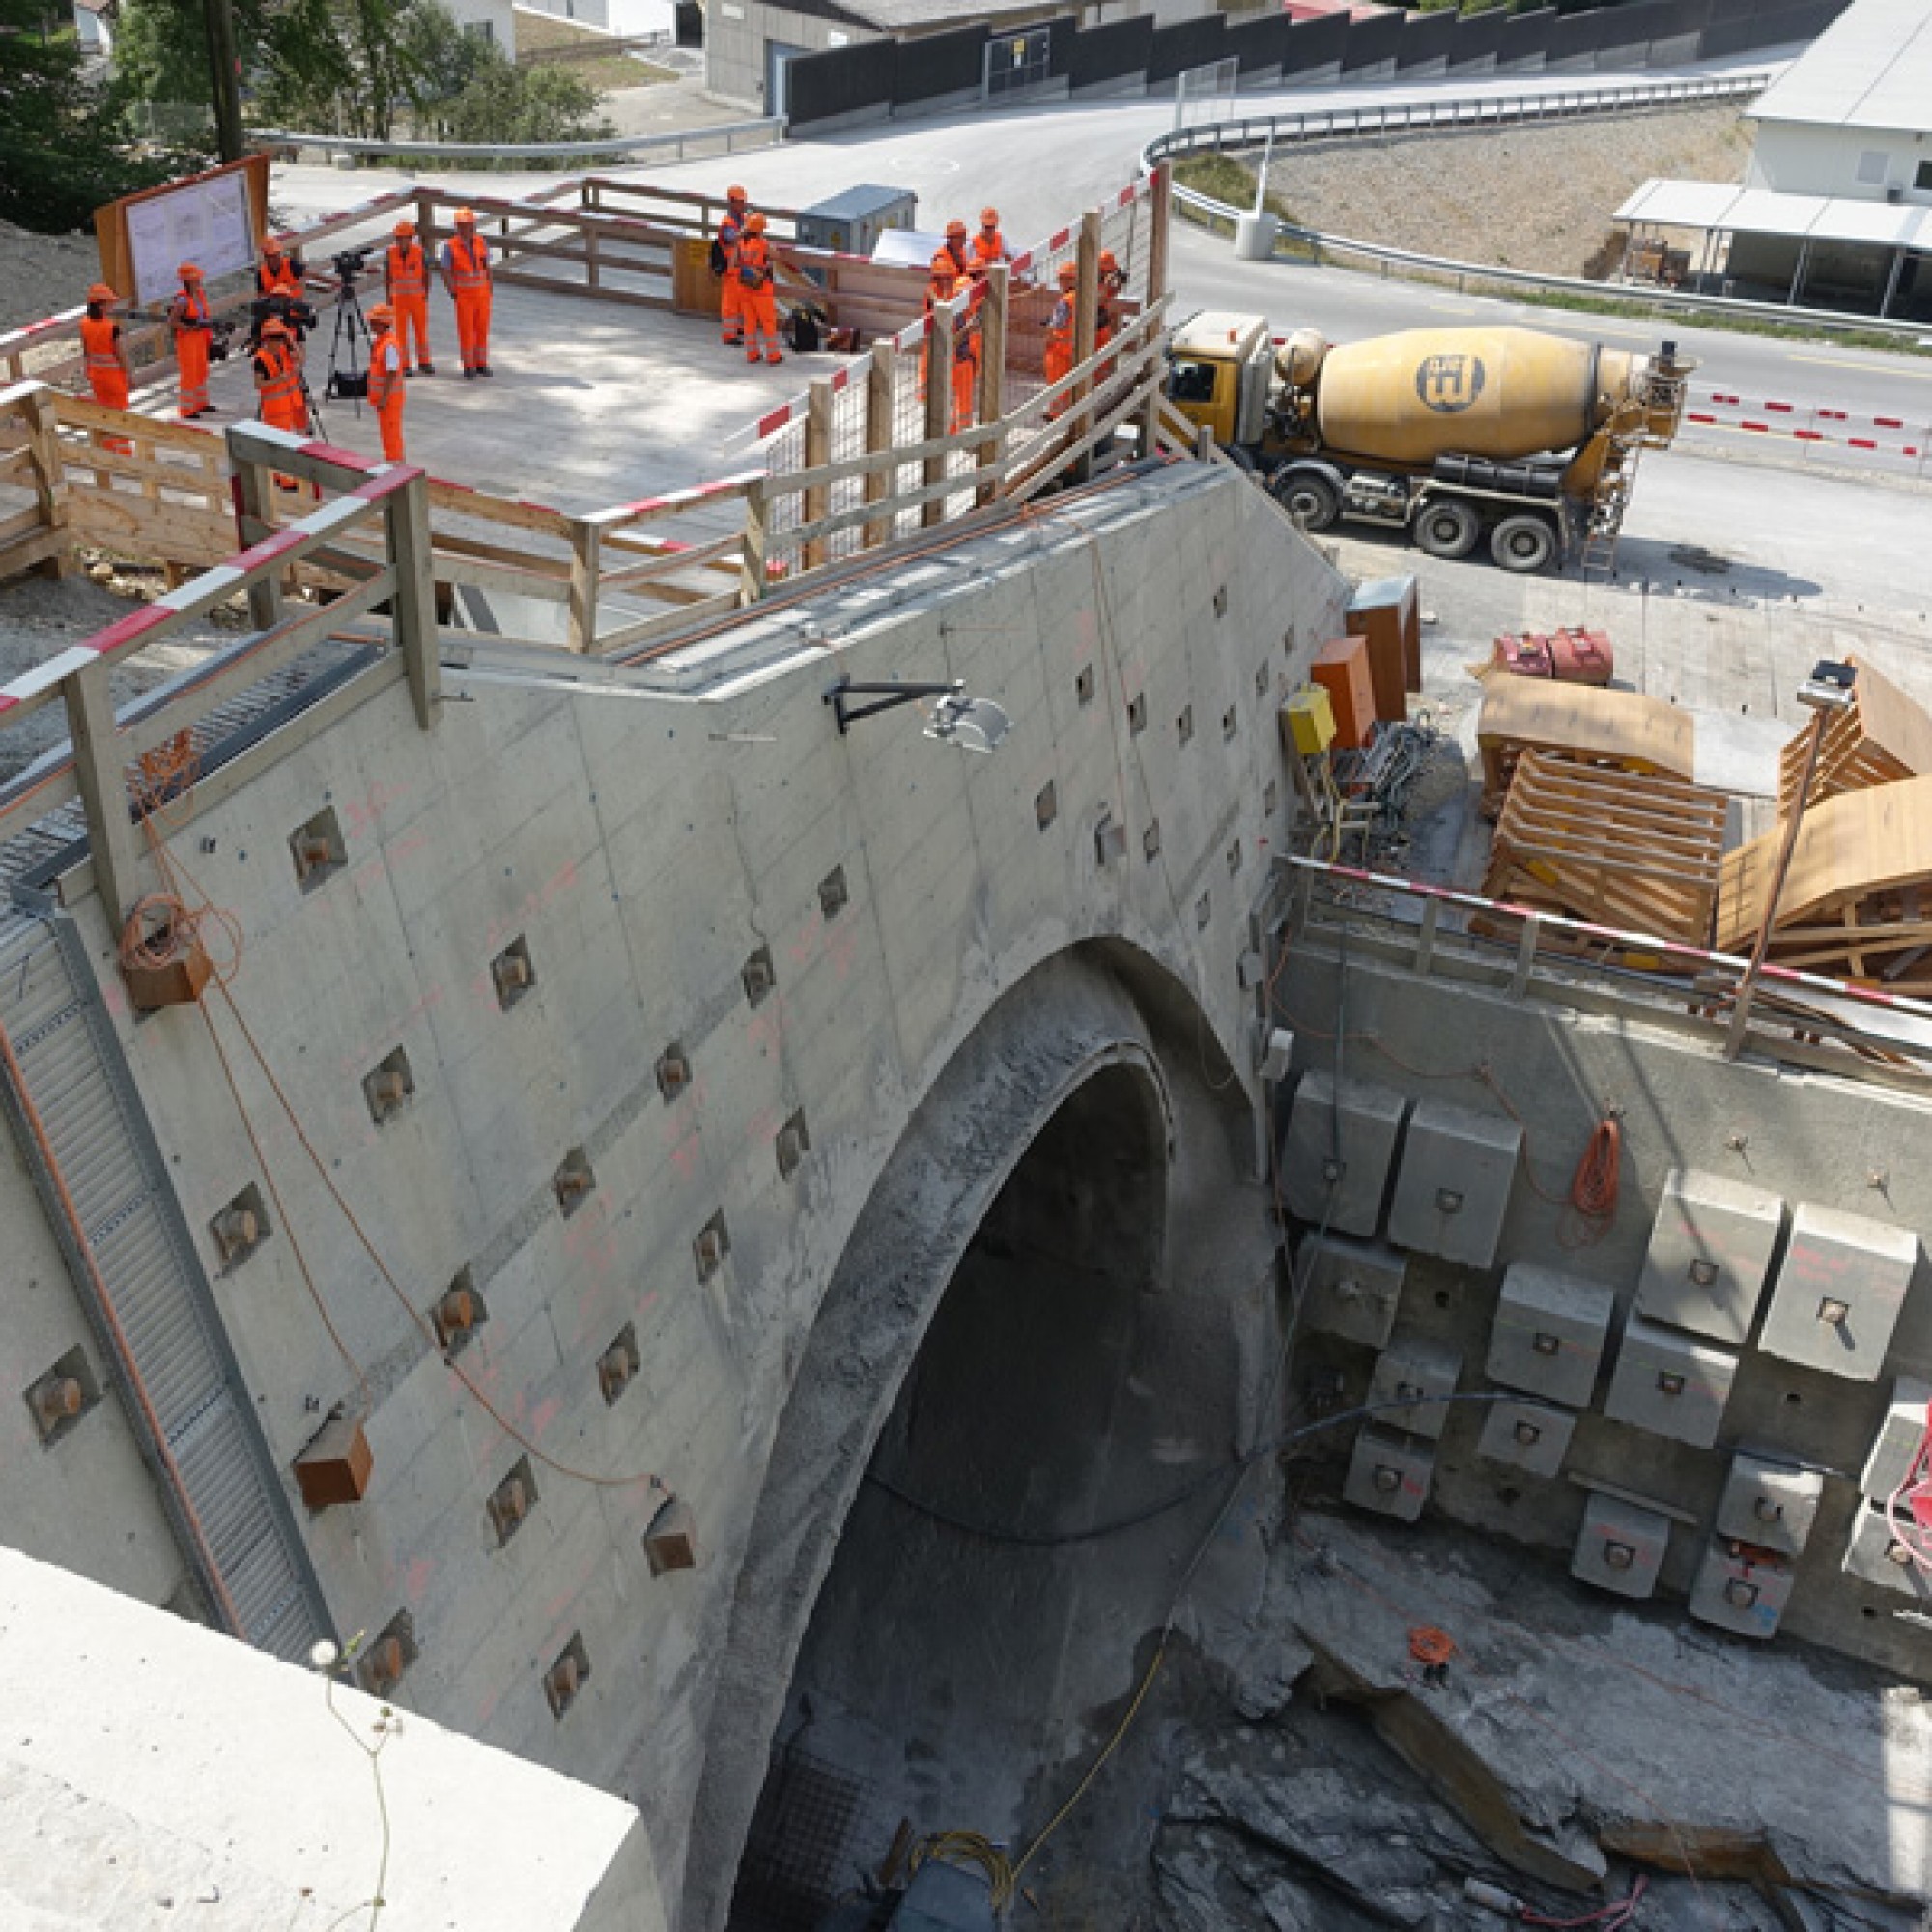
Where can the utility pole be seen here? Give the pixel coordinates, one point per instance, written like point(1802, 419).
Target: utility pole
point(224, 72)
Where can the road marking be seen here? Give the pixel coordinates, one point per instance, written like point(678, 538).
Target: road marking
point(1865, 368)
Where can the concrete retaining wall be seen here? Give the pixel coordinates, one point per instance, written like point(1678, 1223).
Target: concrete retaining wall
point(646, 853)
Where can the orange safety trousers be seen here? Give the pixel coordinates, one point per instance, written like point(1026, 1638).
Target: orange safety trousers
point(191, 371)
point(110, 387)
point(473, 325)
point(412, 313)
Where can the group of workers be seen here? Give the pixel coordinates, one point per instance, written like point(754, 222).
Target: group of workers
point(281, 316)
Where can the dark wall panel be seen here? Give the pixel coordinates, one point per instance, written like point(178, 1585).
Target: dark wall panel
point(844, 81)
point(1576, 36)
point(1426, 37)
point(1111, 52)
point(1064, 31)
point(1259, 44)
point(1373, 41)
point(939, 64)
point(1184, 44)
point(1527, 34)
point(1315, 43)
point(1478, 36)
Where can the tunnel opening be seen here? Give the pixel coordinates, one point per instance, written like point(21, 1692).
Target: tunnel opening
point(967, 1629)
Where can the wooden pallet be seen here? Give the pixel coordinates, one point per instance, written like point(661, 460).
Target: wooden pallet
point(1882, 737)
point(1639, 851)
point(1619, 729)
point(1856, 901)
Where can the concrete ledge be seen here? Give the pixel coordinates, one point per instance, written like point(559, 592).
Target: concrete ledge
point(152, 1765)
point(939, 103)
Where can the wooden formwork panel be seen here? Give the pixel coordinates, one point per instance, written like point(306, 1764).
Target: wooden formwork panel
point(1619, 729)
point(1641, 851)
point(1857, 899)
point(1881, 737)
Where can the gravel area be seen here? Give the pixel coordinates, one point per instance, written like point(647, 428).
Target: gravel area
point(40, 274)
point(1536, 197)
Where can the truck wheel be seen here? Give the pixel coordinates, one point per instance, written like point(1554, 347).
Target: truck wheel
point(1307, 496)
point(1447, 527)
point(1523, 543)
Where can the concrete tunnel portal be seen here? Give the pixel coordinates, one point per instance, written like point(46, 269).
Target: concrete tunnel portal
point(923, 1629)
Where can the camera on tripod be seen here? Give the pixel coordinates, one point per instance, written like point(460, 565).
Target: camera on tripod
point(291, 309)
point(350, 263)
point(220, 339)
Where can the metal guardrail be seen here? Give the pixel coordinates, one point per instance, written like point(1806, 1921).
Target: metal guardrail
point(1485, 111)
point(764, 133)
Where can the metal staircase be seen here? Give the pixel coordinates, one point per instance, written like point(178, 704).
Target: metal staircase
point(71, 1097)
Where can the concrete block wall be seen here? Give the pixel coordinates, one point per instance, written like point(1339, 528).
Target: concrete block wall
point(645, 851)
point(1801, 1138)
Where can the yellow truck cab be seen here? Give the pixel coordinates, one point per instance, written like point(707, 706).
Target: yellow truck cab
point(1222, 364)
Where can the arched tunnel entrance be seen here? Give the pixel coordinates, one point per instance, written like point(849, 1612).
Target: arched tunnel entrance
point(1084, 1351)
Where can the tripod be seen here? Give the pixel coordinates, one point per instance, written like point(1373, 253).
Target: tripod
point(351, 384)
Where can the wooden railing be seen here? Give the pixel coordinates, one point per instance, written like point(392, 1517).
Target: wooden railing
point(34, 507)
point(143, 488)
point(103, 750)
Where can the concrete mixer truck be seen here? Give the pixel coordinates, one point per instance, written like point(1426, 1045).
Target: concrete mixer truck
point(1456, 436)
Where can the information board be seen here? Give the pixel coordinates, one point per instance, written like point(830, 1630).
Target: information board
point(205, 221)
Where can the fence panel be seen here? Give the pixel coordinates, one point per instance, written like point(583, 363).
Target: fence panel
point(846, 81)
point(1427, 39)
point(1115, 52)
point(1184, 44)
point(937, 65)
point(1372, 43)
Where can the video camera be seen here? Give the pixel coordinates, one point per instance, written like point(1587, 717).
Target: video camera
point(291, 309)
point(350, 263)
point(220, 339)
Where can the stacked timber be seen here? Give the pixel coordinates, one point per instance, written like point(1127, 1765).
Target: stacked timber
point(1619, 731)
point(1881, 737)
point(1637, 850)
point(1856, 901)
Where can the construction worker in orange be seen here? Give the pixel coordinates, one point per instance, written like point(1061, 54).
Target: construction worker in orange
point(724, 266)
point(191, 322)
point(277, 274)
point(1107, 307)
point(757, 296)
point(387, 368)
point(466, 274)
point(405, 284)
point(1059, 357)
point(278, 383)
point(989, 245)
point(110, 373)
point(942, 289)
point(957, 247)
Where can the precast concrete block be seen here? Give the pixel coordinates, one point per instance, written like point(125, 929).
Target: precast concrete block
point(1340, 1145)
point(1549, 1333)
point(1741, 1589)
point(1882, 1551)
point(1407, 1372)
point(1458, 1167)
point(1908, 1416)
point(1769, 1504)
point(1670, 1384)
point(1527, 1435)
point(1710, 1246)
point(1840, 1287)
point(1389, 1473)
point(1621, 1547)
point(1354, 1289)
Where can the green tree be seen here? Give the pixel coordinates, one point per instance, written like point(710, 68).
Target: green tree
point(61, 151)
point(501, 102)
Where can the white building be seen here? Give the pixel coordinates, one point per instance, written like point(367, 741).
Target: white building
point(1835, 208)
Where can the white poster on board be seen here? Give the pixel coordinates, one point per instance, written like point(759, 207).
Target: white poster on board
point(206, 222)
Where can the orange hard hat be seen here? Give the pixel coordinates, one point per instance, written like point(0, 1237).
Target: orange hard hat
point(989, 218)
point(99, 292)
point(466, 218)
point(406, 230)
point(943, 263)
point(188, 271)
point(272, 245)
point(1070, 273)
point(1108, 266)
point(955, 228)
point(734, 192)
point(754, 224)
point(382, 312)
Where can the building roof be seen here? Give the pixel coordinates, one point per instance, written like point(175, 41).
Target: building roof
point(1869, 69)
point(1763, 210)
point(901, 17)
